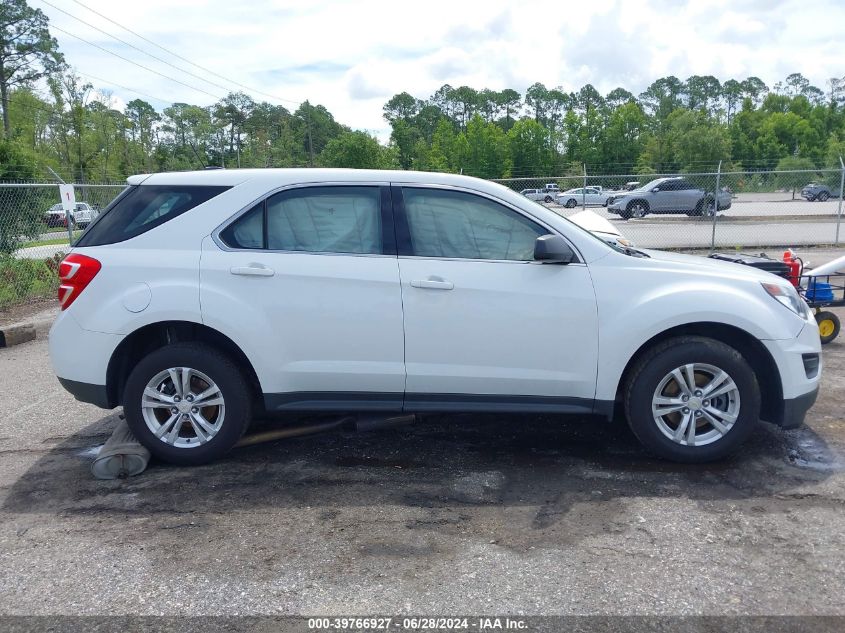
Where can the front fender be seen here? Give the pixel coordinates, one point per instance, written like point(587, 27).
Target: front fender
point(649, 306)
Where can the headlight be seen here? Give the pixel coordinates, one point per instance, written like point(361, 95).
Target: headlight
point(787, 296)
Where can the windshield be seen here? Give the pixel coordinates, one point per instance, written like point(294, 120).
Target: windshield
point(650, 185)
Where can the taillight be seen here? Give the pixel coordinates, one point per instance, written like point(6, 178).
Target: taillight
point(75, 273)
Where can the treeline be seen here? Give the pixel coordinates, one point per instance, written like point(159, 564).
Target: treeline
point(78, 135)
point(673, 126)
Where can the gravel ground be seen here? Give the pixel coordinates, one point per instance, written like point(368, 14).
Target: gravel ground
point(460, 514)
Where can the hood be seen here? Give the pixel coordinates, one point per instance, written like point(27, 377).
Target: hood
point(593, 222)
point(705, 265)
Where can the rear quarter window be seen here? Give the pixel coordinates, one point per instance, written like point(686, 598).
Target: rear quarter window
point(141, 208)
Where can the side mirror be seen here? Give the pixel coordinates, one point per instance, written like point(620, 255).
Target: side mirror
point(553, 249)
point(655, 190)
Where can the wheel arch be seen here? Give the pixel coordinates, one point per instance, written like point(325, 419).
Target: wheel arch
point(156, 335)
point(754, 352)
point(642, 201)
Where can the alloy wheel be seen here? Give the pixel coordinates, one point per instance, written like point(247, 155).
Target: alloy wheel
point(695, 404)
point(183, 407)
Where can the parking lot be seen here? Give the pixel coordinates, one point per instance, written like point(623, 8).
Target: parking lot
point(754, 220)
point(459, 514)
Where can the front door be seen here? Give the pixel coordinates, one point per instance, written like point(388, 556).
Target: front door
point(487, 327)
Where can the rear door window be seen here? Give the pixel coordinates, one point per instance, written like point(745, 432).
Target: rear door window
point(143, 207)
point(327, 219)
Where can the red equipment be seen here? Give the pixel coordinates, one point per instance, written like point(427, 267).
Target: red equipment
point(795, 266)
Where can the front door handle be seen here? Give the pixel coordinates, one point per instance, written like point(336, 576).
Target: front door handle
point(435, 283)
point(253, 270)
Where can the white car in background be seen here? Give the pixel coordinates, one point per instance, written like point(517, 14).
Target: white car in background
point(591, 196)
point(538, 195)
point(81, 216)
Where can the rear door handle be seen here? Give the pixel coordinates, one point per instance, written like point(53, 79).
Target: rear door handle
point(433, 283)
point(253, 270)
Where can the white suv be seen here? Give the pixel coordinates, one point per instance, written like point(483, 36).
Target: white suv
point(197, 299)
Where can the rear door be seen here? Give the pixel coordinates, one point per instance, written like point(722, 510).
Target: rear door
point(688, 196)
point(487, 327)
point(308, 280)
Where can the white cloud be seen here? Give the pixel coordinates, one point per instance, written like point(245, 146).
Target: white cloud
point(352, 56)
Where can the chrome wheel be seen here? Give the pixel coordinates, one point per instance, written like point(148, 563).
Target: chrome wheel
point(183, 407)
point(695, 404)
point(638, 210)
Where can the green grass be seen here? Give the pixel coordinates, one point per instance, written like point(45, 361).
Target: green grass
point(52, 242)
point(23, 280)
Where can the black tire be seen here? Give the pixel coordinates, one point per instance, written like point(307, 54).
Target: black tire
point(625, 215)
point(823, 196)
point(571, 203)
point(547, 199)
point(810, 198)
point(637, 208)
point(221, 370)
point(829, 326)
point(647, 374)
point(706, 207)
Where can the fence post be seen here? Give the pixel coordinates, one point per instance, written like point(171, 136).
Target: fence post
point(584, 190)
point(841, 195)
point(715, 208)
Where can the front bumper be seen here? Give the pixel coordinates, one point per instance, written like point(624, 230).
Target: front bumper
point(799, 380)
point(795, 410)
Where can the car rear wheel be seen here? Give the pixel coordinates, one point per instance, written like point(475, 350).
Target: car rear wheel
point(547, 199)
point(692, 399)
point(187, 403)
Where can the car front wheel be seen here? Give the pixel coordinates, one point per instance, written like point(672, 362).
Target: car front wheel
point(692, 399)
point(187, 403)
point(823, 196)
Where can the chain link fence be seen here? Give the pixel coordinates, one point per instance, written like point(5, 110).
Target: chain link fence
point(724, 210)
point(36, 232)
point(715, 210)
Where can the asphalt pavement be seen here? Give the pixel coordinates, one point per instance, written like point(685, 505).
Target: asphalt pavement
point(464, 514)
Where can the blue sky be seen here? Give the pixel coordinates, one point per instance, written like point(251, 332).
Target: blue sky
point(353, 56)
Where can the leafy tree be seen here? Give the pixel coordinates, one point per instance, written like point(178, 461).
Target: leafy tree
point(27, 51)
point(536, 98)
point(401, 107)
point(701, 91)
point(356, 150)
point(509, 101)
point(531, 150)
point(482, 150)
point(618, 97)
point(20, 210)
point(662, 97)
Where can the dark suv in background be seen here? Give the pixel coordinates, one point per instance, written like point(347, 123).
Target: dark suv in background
point(816, 191)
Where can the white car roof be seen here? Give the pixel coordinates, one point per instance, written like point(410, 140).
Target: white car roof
point(279, 177)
